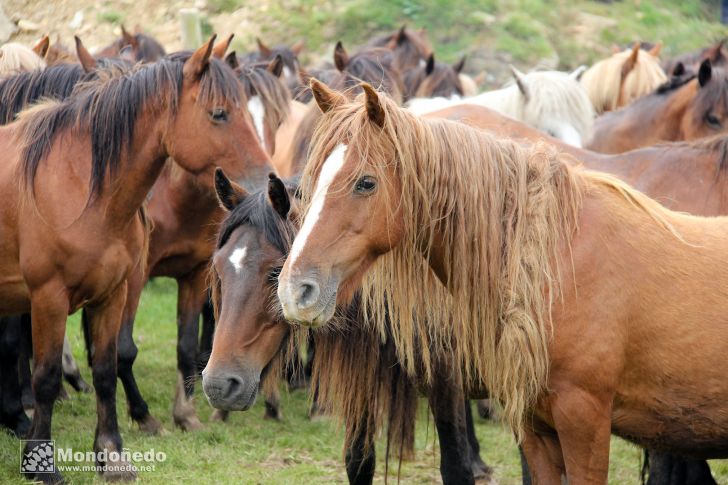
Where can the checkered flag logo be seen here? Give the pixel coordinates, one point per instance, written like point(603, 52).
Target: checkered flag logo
point(39, 457)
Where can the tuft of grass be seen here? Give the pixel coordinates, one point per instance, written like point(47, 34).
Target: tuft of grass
point(111, 17)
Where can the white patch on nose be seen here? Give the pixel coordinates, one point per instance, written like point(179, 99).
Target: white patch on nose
point(257, 111)
point(287, 72)
point(237, 257)
point(331, 167)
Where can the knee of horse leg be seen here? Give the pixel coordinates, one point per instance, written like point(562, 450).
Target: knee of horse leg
point(46, 382)
point(126, 353)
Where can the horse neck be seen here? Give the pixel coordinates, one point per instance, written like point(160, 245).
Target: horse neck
point(183, 193)
point(505, 101)
point(140, 166)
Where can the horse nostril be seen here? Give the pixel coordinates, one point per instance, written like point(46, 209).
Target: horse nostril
point(233, 387)
point(308, 293)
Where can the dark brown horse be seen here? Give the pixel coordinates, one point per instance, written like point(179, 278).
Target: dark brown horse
point(685, 108)
point(356, 375)
point(144, 47)
point(434, 79)
point(72, 229)
point(411, 47)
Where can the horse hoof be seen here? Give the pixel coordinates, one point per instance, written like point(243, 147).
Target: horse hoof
point(22, 426)
point(54, 478)
point(189, 423)
point(219, 415)
point(483, 407)
point(84, 387)
point(151, 426)
point(273, 415)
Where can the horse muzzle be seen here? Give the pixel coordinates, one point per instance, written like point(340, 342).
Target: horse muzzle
point(230, 391)
point(308, 300)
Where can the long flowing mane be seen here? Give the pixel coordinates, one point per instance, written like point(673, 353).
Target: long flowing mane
point(502, 214)
point(350, 354)
point(110, 110)
point(56, 82)
point(603, 81)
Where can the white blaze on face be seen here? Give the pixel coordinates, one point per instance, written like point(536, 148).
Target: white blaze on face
point(287, 73)
point(237, 257)
point(331, 167)
point(257, 111)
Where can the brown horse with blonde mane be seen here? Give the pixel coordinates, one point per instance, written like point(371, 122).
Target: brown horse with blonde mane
point(685, 108)
point(516, 253)
point(68, 243)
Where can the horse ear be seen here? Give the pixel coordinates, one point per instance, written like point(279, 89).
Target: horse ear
point(402, 35)
point(577, 73)
point(374, 106)
point(129, 39)
point(325, 97)
point(196, 65)
point(264, 50)
point(232, 60)
point(631, 60)
point(341, 57)
point(458, 66)
point(521, 82)
point(275, 66)
point(278, 195)
point(84, 56)
point(655, 51)
point(297, 48)
point(220, 49)
point(430, 64)
point(228, 192)
point(705, 72)
point(41, 48)
point(679, 69)
point(304, 76)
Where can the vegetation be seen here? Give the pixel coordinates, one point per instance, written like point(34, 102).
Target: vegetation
point(249, 449)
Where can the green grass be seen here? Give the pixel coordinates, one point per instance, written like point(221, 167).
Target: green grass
point(571, 32)
point(111, 17)
point(249, 449)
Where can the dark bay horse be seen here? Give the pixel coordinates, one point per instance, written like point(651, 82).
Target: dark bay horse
point(144, 47)
point(356, 375)
point(72, 228)
point(685, 108)
point(434, 79)
point(410, 47)
point(529, 322)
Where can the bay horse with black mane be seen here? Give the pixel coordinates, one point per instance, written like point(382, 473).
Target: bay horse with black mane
point(356, 375)
point(528, 322)
point(185, 214)
point(684, 108)
point(69, 244)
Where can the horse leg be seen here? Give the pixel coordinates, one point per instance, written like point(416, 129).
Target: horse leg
point(70, 369)
point(11, 410)
point(583, 423)
point(127, 353)
point(481, 471)
point(49, 309)
point(24, 359)
point(360, 461)
point(192, 292)
point(273, 404)
point(666, 469)
point(446, 402)
point(104, 321)
point(208, 333)
point(541, 455)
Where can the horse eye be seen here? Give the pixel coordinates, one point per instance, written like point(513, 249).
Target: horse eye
point(365, 185)
point(218, 115)
point(713, 120)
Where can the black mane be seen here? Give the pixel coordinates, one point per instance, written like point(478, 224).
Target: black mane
point(109, 111)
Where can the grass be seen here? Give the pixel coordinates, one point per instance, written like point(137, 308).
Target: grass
point(557, 33)
point(249, 449)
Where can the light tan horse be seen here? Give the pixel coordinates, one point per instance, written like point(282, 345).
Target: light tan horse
point(584, 306)
point(625, 76)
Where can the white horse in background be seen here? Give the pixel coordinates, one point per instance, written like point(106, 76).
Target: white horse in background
point(551, 101)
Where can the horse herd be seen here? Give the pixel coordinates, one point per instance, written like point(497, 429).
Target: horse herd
point(519, 245)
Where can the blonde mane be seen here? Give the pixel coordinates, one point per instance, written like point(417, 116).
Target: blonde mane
point(522, 204)
point(15, 58)
point(603, 84)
